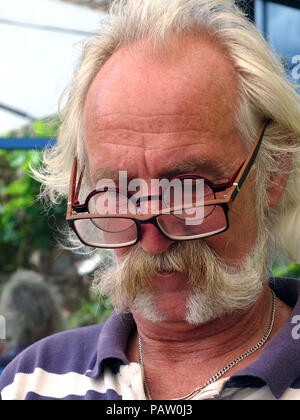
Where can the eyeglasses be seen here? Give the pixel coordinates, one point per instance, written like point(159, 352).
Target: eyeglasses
point(190, 220)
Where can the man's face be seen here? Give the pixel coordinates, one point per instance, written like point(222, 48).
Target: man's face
point(146, 115)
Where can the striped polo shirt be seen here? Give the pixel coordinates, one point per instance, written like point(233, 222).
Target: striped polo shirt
point(90, 363)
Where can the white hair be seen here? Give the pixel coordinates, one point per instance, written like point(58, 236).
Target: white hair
point(264, 92)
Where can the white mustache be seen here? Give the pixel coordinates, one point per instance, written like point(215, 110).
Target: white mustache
point(215, 288)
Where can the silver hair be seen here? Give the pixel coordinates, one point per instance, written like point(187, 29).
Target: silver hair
point(264, 92)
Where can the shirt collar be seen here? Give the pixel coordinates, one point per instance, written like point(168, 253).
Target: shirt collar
point(112, 343)
point(276, 365)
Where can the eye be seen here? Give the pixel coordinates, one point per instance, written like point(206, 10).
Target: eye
point(183, 191)
point(110, 202)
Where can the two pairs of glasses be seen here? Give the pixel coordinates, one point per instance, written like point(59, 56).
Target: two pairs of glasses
point(188, 220)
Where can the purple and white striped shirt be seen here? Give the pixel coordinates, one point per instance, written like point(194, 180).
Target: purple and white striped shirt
point(90, 364)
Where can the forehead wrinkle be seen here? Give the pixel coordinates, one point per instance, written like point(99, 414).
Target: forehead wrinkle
point(150, 147)
point(138, 121)
point(150, 132)
point(140, 129)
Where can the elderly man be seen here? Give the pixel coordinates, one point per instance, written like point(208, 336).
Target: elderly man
point(185, 90)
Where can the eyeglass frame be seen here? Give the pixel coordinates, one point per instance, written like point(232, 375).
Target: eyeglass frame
point(233, 185)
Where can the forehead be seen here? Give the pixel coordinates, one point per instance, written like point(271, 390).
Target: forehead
point(145, 114)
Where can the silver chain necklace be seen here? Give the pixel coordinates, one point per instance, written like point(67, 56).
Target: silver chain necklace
point(226, 368)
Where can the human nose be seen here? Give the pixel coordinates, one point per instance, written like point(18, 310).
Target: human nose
point(152, 241)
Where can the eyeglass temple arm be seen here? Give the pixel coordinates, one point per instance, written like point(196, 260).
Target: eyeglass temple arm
point(74, 190)
point(77, 188)
point(249, 163)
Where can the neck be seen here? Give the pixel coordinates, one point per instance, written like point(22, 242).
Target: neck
point(218, 337)
point(179, 357)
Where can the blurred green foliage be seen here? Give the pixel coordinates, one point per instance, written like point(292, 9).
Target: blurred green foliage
point(288, 270)
point(25, 226)
point(91, 312)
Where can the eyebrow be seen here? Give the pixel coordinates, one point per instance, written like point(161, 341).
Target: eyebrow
point(192, 165)
point(108, 173)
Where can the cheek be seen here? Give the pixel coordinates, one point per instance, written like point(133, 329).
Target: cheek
point(242, 213)
point(235, 243)
point(121, 253)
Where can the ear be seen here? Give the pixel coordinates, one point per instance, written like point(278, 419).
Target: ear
point(279, 180)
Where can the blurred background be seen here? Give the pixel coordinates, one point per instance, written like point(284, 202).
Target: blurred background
point(40, 46)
